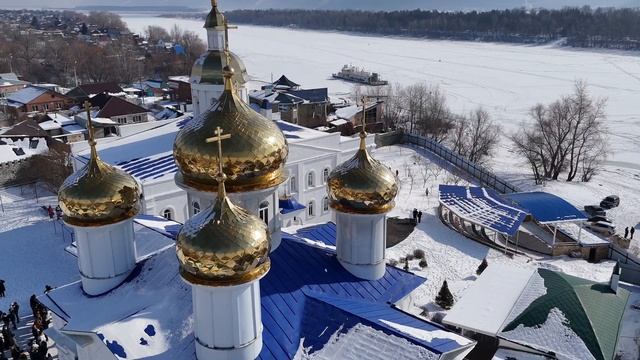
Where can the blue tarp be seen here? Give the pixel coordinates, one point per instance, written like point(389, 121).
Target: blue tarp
point(546, 208)
point(290, 205)
point(484, 207)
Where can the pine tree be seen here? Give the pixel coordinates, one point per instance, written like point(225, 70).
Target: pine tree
point(483, 265)
point(445, 298)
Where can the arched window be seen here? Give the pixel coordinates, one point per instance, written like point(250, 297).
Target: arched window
point(167, 214)
point(196, 208)
point(293, 184)
point(325, 204)
point(311, 180)
point(311, 211)
point(264, 212)
point(325, 175)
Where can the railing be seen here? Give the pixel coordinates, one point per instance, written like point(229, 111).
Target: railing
point(485, 177)
point(630, 264)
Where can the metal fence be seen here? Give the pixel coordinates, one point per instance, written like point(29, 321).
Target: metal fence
point(485, 177)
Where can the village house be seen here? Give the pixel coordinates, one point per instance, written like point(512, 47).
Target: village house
point(83, 92)
point(285, 100)
point(17, 145)
point(33, 100)
point(9, 83)
point(111, 112)
point(180, 90)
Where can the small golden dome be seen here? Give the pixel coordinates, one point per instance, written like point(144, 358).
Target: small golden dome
point(254, 157)
point(362, 185)
point(208, 69)
point(98, 194)
point(224, 245)
point(215, 19)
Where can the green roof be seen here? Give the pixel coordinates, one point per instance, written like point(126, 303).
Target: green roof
point(592, 310)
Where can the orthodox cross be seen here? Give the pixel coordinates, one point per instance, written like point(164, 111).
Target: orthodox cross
point(364, 114)
point(218, 138)
point(87, 107)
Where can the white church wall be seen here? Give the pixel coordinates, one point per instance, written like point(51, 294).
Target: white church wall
point(163, 196)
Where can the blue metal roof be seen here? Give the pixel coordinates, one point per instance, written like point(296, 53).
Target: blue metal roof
point(325, 233)
point(290, 205)
point(291, 315)
point(151, 167)
point(546, 208)
point(484, 207)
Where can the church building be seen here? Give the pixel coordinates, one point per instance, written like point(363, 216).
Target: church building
point(236, 284)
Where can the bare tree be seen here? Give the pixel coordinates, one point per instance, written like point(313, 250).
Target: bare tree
point(475, 136)
point(565, 136)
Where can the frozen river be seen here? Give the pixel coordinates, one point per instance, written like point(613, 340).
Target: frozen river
point(507, 80)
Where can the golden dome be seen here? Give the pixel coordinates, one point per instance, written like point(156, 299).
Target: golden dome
point(254, 157)
point(208, 69)
point(224, 245)
point(215, 19)
point(98, 194)
point(362, 185)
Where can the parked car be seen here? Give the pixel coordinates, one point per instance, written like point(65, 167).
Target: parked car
point(600, 218)
point(594, 210)
point(610, 202)
point(602, 227)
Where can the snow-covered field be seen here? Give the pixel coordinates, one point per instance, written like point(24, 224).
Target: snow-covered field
point(507, 80)
point(32, 246)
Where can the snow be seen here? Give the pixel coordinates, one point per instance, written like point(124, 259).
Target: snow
point(507, 354)
point(428, 336)
point(586, 237)
point(553, 335)
point(348, 112)
point(451, 256)
point(488, 302)
point(7, 154)
point(506, 79)
point(362, 342)
point(27, 237)
point(629, 335)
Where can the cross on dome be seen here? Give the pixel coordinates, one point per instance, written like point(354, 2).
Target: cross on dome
point(221, 176)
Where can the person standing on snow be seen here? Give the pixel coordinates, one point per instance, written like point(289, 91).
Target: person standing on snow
point(633, 230)
point(419, 216)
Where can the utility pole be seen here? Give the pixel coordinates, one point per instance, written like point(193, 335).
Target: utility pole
point(10, 62)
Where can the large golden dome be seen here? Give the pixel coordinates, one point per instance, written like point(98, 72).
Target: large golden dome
point(98, 194)
point(224, 245)
point(254, 157)
point(362, 185)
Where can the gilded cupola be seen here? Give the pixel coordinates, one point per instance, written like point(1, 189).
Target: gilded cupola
point(98, 194)
point(254, 157)
point(223, 245)
point(362, 185)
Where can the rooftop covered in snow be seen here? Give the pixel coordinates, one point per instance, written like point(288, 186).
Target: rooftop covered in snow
point(309, 302)
point(483, 207)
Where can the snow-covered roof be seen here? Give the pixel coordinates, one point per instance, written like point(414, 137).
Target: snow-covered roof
point(295, 132)
point(308, 302)
point(348, 112)
point(73, 129)
point(339, 122)
point(488, 302)
point(509, 354)
point(26, 95)
point(484, 207)
point(585, 237)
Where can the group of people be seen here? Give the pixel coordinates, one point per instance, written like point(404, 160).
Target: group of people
point(37, 347)
point(417, 216)
point(628, 232)
point(57, 212)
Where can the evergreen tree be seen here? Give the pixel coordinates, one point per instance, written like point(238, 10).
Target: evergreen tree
point(483, 265)
point(34, 22)
point(84, 30)
point(445, 298)
point(423, 263)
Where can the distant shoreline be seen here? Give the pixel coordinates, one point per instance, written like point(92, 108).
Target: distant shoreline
point(162, 10)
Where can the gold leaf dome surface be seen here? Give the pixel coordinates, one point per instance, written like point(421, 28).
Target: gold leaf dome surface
point(99, 194)
point(222, 246)
point(362, 185)
point(208, 69)
point(254, 157)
